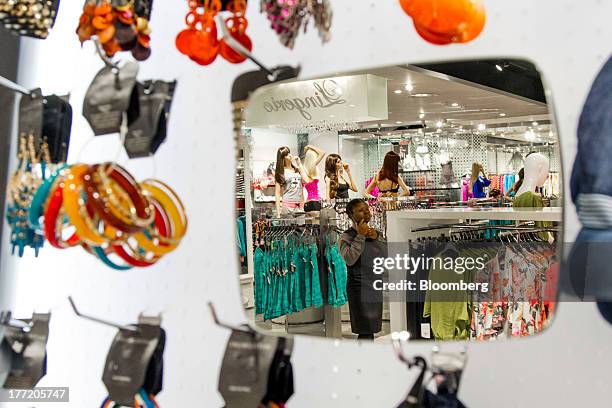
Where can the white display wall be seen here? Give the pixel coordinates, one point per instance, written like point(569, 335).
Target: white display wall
point(566, 366)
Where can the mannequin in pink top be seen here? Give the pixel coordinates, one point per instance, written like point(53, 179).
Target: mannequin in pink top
point(312, 157)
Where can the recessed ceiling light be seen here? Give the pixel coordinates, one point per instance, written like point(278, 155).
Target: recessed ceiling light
point(502, 114)
point(439, 124)
point(331, 116)
point(482, 126)
point(409, 87)
point(423, 95)
point(454, 104)
point(398, 122)
point(499, 67)
point(398, 91)
point(534, 123)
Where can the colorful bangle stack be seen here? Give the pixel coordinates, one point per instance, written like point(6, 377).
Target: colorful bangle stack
point(103, 209)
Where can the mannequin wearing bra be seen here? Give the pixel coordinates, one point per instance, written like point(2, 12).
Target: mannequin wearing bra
point(312, 157)
point(289, 177)
point(387, 179)
point(338, 178)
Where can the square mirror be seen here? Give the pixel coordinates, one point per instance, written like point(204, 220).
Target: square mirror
point(422, 200)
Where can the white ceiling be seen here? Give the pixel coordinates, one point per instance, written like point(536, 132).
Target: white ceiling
point(459, 103)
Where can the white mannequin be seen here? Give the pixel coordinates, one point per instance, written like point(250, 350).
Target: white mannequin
point(536, 173)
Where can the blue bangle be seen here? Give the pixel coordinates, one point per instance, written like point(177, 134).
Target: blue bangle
point(146, 399)
point(38, 201)
point(99, 252)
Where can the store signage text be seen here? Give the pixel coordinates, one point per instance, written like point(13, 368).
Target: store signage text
point(352, 99)
point(327, 93)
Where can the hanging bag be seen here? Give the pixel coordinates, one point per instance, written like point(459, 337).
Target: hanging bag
point(111, 95)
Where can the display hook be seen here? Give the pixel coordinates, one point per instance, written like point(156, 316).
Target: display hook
point(236, 46)
point(98, 320)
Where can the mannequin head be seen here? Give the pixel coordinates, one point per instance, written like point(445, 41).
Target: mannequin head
point(332, 166)
point(283, 160)
point(390, 168)
point(536, 171)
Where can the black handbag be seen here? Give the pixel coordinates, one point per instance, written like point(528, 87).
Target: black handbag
point(110, 95)
point(30, 18)
point(57, 121)
point(148, 132)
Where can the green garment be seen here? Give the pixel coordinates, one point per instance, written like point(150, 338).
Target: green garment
point(450, 310)
point(533, 200)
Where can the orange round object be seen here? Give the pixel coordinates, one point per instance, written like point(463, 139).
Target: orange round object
point(111, 47)
point(232, 55)
point(184, 39)
point(107, 34)
point(99, 23)
point(204, 47)
point(409, 5)
point(475, 26)
point(434, 38)
point(444, 16)
point(103, 9)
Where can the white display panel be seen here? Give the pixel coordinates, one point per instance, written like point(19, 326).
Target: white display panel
point(566, 366)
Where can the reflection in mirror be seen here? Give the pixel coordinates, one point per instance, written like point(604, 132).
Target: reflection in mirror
point(422, 199)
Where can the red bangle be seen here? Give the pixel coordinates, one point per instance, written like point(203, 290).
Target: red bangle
point(127, 184)
point(51, 215)
point(162, 225)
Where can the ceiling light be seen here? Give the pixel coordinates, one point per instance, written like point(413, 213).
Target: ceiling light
point(421, 115)
point(331, 116)
point(502, 114)
point(423, 95)
point(398, 91)
point(398, 122)
point(534, 123)
point(482, 126)
point(454, 104)
point(499, 67)
point(409, 87)
point(351, 106)
point(439, 124)
point(551, 134)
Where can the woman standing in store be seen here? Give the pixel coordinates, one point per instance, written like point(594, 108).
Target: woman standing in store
point(336, 173)
point(289, 176)
point(478, 181)
point(387, 179)
point(512, 192)
point(359, 246)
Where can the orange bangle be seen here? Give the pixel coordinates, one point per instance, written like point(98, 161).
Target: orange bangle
point(53, 216)
point(76, 208)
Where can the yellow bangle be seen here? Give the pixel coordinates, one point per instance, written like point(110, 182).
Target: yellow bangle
point(76, 208)
point(174, 209)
